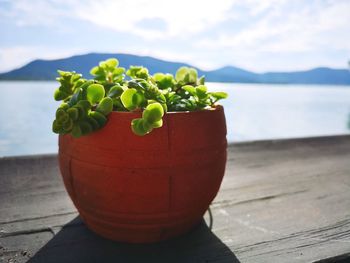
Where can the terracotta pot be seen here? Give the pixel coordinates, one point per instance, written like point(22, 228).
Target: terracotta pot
point(146, 189)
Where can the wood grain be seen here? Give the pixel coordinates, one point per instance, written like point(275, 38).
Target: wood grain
point(280, 201)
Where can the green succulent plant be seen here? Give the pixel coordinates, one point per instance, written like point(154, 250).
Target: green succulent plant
point(87, 103)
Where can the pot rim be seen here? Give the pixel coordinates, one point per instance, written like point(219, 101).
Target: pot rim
point(212, 109)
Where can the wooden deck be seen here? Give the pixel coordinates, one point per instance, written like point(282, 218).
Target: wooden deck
point(281, 201)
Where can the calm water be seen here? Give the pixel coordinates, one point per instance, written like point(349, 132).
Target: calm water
point(253, 112)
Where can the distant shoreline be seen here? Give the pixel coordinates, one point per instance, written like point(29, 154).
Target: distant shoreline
point(43, 70)
point(224, 82)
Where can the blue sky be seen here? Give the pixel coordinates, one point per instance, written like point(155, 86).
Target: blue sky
point(258, 35)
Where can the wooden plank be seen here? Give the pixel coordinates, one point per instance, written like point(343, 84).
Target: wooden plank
point(280, 201)
point(33, 179)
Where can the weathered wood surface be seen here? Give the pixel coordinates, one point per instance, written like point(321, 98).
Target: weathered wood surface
point(280, 201)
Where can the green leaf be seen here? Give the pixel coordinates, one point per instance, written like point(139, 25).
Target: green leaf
point(137, 126)
point(118, 105)
point(62, 73)
point(187, 78)
point(68, 81)
point(165, 107)
point(219, 95)
point(76, 131)
point(201, 91)
point(137, 72)
point(193, 75)
point(85, 104)
point(85, 127)
point(73, 113)
point(127, 99)
point(99, 117)
point(68, 125)
point(94, 71)
point(112, 62)
point(201, 81)
point(164, 81)
point(138, 99)
point(158, 76)
point(81, 110)
point(147, 126)
point(181, 73)
point(75, 77)
point(161, 98)
point(95, 125)
point(118, 78)
point(83, 89)
point(135, 85)
point(56, 128)
point(190, 89)
point(62, 119)
point(64, 106)
point(76, 97)
point(60, 112)
point(157, 124)
point(95, 93)
point(60, 95)
point(118, 71)
point(153, 112)
point(102, 64)
point(101, 78)
point(105, 106)
point(115, 91)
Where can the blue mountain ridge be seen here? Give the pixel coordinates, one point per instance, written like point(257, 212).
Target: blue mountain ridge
point(47, 70)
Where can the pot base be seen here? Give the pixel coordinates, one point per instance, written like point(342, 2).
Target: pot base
point(140, 234)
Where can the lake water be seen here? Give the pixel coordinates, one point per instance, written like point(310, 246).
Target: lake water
point(253, 112)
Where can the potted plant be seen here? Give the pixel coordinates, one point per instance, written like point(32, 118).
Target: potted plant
point(142, 156)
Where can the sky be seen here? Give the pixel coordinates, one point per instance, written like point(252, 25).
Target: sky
point(257, 35)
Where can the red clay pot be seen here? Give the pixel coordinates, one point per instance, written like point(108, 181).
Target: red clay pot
point(146, 189)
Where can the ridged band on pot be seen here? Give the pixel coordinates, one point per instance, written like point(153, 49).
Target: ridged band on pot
point(151, 188)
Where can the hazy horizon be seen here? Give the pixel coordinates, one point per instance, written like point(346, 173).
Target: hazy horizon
point(176, 61)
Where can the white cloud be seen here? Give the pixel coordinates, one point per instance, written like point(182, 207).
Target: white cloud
point(182, 17)
point(291, 31)
point(300, 30)
point(303, 33)
point(34, 12)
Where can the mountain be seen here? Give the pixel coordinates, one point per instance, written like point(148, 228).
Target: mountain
point(231, 74)
point(313, 76)
point(47, 70)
